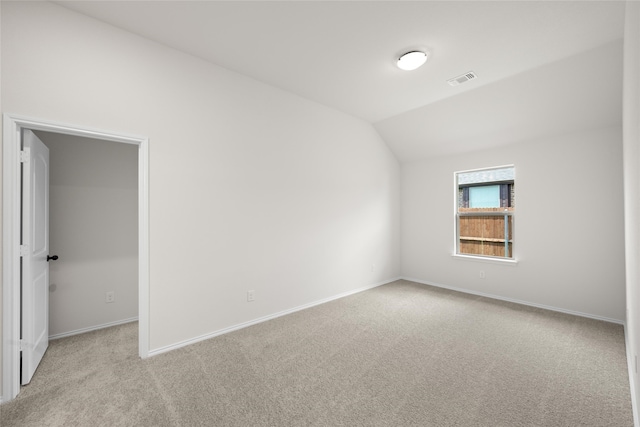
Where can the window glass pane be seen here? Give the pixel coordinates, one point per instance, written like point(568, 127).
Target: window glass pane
point(485, 212)
point(485, 196)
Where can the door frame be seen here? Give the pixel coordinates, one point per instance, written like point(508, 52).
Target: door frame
point(11, 227)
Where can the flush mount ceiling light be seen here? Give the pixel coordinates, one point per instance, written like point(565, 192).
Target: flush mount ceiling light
point(412, 60)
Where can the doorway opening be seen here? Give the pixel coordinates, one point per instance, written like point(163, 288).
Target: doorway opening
point(11, 256)
point(93, 230)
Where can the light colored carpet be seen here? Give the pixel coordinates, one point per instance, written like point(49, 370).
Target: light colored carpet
point(402, 354)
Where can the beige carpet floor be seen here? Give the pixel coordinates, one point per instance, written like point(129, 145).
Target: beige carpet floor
point(402, 354)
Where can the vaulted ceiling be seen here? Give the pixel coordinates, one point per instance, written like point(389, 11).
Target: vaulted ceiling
point(542, 66)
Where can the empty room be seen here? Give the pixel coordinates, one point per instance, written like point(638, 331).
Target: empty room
point(375, 213)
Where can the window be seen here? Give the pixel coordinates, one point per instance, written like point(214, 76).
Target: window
point(485, 212)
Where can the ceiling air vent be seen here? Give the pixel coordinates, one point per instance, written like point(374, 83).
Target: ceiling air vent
point(462, 79)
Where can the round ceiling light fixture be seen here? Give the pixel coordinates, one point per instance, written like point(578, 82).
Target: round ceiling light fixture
point(412, 60)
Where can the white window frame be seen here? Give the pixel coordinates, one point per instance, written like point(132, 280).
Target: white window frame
point(456, 224)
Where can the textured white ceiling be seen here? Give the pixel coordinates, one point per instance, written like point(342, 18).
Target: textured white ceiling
point(580, 92)
point(342, 53)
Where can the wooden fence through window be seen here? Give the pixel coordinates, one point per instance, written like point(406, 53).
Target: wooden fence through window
point(485, 234)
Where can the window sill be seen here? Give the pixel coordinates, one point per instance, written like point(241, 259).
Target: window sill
point(511, 262)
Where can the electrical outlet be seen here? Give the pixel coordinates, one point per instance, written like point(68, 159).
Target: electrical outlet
point(373, 267)
point(251, 296)
point(482, 276)
point(110, 297)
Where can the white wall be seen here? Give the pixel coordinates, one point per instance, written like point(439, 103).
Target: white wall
point(1, 133)
point(94, 230)
point(631, 125)
point(250, 187)
point(569, 235)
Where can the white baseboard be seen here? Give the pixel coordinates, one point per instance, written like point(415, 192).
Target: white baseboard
point(632, 384)
point(92, 328)
point(264, 319)
point(516, 301)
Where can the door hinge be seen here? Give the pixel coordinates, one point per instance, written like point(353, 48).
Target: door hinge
point(20, 344)
point(24, 156)
point(24, 250)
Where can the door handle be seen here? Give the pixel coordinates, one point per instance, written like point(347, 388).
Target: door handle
point(54, 258)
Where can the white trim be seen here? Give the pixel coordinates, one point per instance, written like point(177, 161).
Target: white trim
point(264, 319)
point(516, 301)
point(632, 385)
point(12, 126)
point(504, 261)
point(488, 168)
point(10, 259)
point(144, 280)
point(92, 328)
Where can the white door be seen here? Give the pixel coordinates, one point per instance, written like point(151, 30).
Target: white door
point(35, 251)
